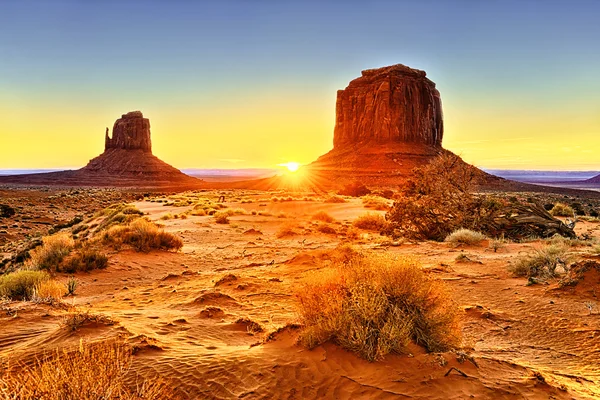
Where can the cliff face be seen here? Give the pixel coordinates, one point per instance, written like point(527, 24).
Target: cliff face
point(387, 105)
point(130, 132)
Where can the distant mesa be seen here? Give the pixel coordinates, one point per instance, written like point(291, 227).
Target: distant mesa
point(594, 180)
point(388, 121)
point(395, 104)
point(130, 132)
point(127, 161)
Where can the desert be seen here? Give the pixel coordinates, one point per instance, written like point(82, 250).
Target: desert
point(248, 201)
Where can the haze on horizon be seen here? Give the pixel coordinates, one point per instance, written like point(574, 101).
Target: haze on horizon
point(238, 84)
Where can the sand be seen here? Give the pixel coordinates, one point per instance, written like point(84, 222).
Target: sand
point(216, 319)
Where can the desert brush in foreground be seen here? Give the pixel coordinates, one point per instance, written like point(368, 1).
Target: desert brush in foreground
point(377, 304)
point(143, 236)
point(95, 372)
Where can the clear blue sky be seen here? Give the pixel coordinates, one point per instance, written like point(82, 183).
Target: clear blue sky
point(518, 79)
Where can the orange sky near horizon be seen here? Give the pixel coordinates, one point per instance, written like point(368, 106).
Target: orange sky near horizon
point(238, 84)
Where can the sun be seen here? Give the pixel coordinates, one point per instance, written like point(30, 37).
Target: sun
point(291, 166)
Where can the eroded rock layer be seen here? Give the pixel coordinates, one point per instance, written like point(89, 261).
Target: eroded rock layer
point(130, 132)
point(390, 104)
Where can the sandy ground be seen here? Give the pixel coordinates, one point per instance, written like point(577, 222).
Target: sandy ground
point(197, 330)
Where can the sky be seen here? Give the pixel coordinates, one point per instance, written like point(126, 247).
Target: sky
point(246, 84)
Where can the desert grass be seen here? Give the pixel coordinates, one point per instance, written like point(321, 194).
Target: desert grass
point(497, 244)
point(334, 199)
point(562, 210)
point(568, 242)
point(370, 222)
point(465, 236)
point(83, 260)
point(327, 229)
point(221, 217)
point(77, 319)
point(143, 236)
point(52, 251)
point(91, 372)
point(376, 304)
point(375, 202)
point(49, 291)
point(542, 263)
point(323, 216)
point(20, 285)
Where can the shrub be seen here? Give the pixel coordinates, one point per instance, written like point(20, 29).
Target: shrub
point(20, 285)
point(562, 210)
point(542, 263)
point(84, 260)
point(323, 216)
point(334, 199)
point(71, 286)
point(374, 305)
point(465, 236)
point(49, 290)
point(371, 222)
point(53, 250)
point(143, 236)
point(92, 372)
point(167, 216)
point(497, 244)
point(221, 217)
point(355, 189)
point(375, 202)
point(327, 229)
point(75, 320)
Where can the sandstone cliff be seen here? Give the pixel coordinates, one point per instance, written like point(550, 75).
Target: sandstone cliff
point(130, 132)
point(390, 104)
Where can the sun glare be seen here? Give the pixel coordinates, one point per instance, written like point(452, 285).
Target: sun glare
point(291, 166)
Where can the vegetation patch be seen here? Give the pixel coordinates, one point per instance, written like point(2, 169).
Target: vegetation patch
point(371, 222)
point(143, 236)
point(20, 285)
point(89, 373)
point(466, 237)
point(376, 304)
point(542, 263)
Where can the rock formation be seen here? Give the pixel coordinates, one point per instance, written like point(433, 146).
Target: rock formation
point(130, 132)
point(391, 104)
point(594, 180)
point(388, 121)
point(127, 160)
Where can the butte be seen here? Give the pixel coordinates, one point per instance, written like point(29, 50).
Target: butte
point(127, 161)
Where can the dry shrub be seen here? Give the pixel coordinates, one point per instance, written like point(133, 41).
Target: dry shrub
point(371, 222)
point(143, 236)
point(327, 229)
point(542, 263)
point(376, 304)
point(221, 217)
point(375, 202)
point(77, 319)
point(50, 290)
point(85, 259)
point(334, 199)
point(167, 216)
point(20, 285)
point(90, 373)
point(562, 210)
point(465, 236)
point(53, 250)
point(355, 189)
point(323, 216)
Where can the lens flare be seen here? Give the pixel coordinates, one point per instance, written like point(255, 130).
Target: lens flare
point(291, 166)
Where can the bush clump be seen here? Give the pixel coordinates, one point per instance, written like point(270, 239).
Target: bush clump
point(371, 222)
point(542, 263)
point(143, 236)
point(20, 285)
point(562, 210)
point(323, 216)
point(375, 202)
point(91, 372)
point(83, 260)
point(52, 251)
point(466, 237)
point(374, 305)
point(355, 189)
point(221, 217)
